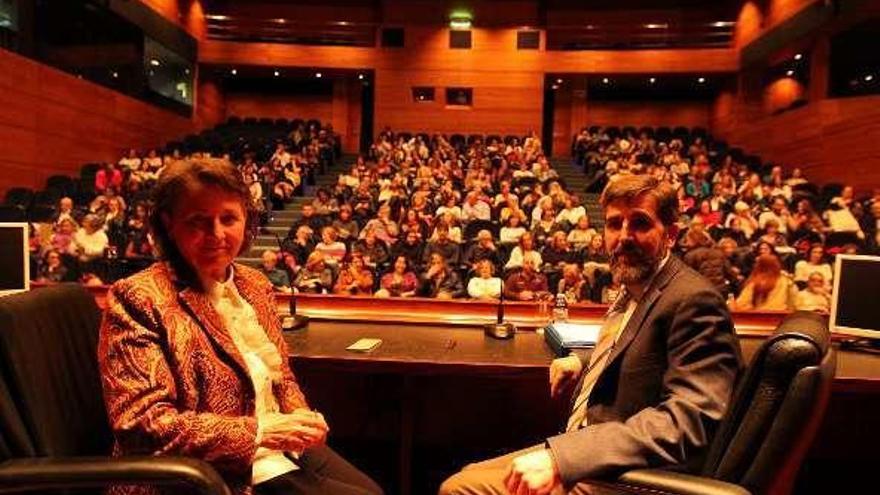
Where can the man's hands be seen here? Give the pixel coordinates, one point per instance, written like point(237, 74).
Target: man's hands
point(294, 432)
point(534, 473)
point(564, 373)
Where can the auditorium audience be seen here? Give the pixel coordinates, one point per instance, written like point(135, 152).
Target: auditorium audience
point(501, 200)
point(526, 284)
point(354, 278)
point(400, 282)
point(439, 280)
point(315, 277)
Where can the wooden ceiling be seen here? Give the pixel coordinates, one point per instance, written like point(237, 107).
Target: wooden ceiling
point(569, 24)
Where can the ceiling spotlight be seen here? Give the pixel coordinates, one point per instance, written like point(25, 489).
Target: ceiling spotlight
point(186, 71)
point(701, 80)
point(559, 81)
point(361, 77)
point(460, 19)
point(215, 17)
point(233, 72)
point(652, 80)
point(276, 73)
point(605, 80)
point(656, 26)
point(869, 78)
point(155, 63)
point(280, 20)
point(798, 56)
point(721, 24)
point(319, 75)
point(789, 73)
point(555, 86)
point(115, 74)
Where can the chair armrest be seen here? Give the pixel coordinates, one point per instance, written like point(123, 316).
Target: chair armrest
point(661, 481)
point(19, 475)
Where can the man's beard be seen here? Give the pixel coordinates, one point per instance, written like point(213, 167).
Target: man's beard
point(631, 265)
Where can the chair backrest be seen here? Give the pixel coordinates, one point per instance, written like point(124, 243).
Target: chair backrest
point(776, 409)
point(50, 390)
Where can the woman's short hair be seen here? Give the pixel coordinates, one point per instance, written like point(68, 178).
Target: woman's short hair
point(630, 187)
point(180, 179)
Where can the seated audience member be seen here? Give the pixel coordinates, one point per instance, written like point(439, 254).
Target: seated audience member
point(64, 210)
point(170, 389)
point(447, 221)
point(451, 207)
point(439, 280)
point(746, 223)
point(841, 221)
point(333, 250)
point(52, 269)
point(412, 222)
point(346, 227)
point(767, 288)
point(401, 281)
point(483, 249)
point(475, 208)
point(573, 211)
point(301, 245)
point(777, 213)
point(527, 284)
point(309, 219)
point(579, 237)
point(710, 218)
point(444, 246)
point(108, 176)
point(324, 205)
point(315, 277)
point(816, 296)
point(374, 251)
point(709, 261)
point(279, 278)
point(774, 237)
point(62, 239)
point(814, 263)
point(412, 248)
point(90, 239)
point(545, 228)
point(484, 285)
point(355, 278)
point(573, 285)
point(383, 226)
point(524, 250)
point(512, 231)
point(696, 236)
point(558, 252)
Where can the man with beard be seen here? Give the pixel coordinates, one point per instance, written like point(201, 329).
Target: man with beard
point(657, 383)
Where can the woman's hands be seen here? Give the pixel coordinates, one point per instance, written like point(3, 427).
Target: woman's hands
point(295, 431)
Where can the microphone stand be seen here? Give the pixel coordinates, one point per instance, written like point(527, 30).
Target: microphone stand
point(292, 321)
point(500, 329)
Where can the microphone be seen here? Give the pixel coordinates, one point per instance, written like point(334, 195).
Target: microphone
point(500, 329)
point(291, 321)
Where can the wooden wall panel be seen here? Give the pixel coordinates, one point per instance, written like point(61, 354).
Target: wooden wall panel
point(53, 123)
point(649, 113)
point(833, 140)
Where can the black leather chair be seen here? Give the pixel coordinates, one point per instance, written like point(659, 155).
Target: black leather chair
point(772, 420)
point(54, 431)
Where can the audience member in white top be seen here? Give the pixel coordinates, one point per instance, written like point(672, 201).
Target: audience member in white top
point(815, 297)
point(485, 285)
point(525, 250)
point(511, 233)
point(813, 264)
point(91, 240)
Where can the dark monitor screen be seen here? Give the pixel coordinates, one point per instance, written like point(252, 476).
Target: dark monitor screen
point(856, 309)
point(13, 257)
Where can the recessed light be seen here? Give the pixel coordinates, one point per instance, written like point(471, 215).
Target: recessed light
point(276, 73)
point(559, 81)
point(555, 86)
point(115, 74)
point(605, 80)
point(361, 77)
point(701, 80)
point(233, 72)
point(789, 73)
point(656, 26)
point(798, 56)
point(319, 75)
point(869, 78)
point(652, 80)
point(155, 63)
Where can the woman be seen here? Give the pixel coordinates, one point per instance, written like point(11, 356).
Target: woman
point(767, 289)
point(485, 285)
point(355, 278)
point(191, 354)
point(334, 251)
point(346, 227)
point(580, 236)
point(316, 276)
point(524, 250)
point(512, 231)
point(573, 285)
point(90, 239)
point(401, 282)
point(814, 263)
point(52, 268)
